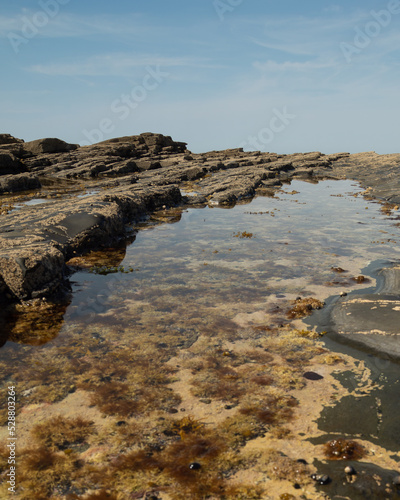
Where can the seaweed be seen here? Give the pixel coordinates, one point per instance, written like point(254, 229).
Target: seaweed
point(304, 307)
point(342, 449)
point(59, 433)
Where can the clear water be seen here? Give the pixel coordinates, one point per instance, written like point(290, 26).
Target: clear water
point(207, 274)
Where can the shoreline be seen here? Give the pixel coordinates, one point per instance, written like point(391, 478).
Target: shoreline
point(133, 177)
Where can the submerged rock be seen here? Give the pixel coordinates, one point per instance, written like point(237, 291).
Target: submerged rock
point(373, 319)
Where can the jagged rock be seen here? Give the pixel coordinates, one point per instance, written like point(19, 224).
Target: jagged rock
point(49, 145)
point(33, 271)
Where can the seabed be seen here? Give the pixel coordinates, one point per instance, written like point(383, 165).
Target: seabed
point(191, 363)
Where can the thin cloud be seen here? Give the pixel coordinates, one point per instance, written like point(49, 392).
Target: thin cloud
point(116, 65)
point(67, 25)
point(273, 66)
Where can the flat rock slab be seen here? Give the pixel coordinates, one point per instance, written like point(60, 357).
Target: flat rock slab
point(370, 319)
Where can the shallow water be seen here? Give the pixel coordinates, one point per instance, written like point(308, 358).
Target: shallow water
point(203, 277)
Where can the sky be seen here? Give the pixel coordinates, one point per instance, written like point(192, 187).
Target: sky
point(285, 76)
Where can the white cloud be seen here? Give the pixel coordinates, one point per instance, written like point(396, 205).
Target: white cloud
point(66, 25)
point(115, 65)
point(273, 66)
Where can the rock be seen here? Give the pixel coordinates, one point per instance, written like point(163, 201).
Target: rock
point(350, 470)
point(312, 376)
point(49, 145)
point(9, 139)
point(322, 479)
point(35, 270)
point(195, 466)
point(35, 245)
point(9, 164)
point(371, 320)
point(140, 174)
point(19, 182)
point(197, 199)
point(195, 173)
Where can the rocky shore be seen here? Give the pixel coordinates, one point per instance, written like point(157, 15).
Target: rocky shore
point(59, 200)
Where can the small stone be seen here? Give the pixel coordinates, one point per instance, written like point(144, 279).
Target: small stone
point(296, 486)
point(349, 470)
point(396, 481)
point(206, 401)
point(195, 466)
point(343, 294)
point(302, 461)
point(324, 479)
point(312, 376)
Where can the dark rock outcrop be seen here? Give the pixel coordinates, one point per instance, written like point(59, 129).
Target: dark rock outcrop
point(9, 139)
point(9, 164)
point(18, 182)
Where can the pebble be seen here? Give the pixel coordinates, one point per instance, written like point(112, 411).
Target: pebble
point(351, 471)
point(312, 376)
point(195, 466)
point(343, 294)
point(396, 481)
point(322, 479)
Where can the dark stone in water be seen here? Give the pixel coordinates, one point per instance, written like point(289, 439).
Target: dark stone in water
point(195, 466)
point(312, 376)
point(322, 479)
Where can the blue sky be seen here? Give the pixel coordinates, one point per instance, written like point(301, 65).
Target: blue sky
point(277, 76)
